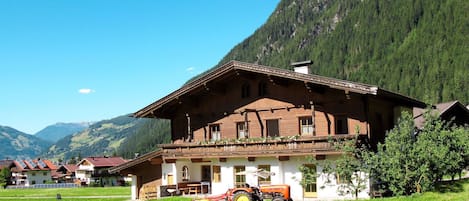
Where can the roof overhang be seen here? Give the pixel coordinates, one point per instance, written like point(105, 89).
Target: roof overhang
point(236, 66)
point(135, 162)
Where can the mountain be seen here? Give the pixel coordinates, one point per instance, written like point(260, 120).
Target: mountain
point(15, 144)
point(57, 131)
point(146, 138)
point(101, 138)
point(418, 48)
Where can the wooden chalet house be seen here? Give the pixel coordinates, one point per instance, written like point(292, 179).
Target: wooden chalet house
point(94, 171)
point(242, 118)
point(66, 173)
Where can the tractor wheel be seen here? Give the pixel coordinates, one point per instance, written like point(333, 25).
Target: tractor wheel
point(278, 198)
point(242, 196)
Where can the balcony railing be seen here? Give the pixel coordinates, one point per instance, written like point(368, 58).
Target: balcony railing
point(286, 146)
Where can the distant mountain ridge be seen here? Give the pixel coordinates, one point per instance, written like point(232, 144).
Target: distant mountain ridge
point(101, 138)
point(58, 131)
point(16, 144)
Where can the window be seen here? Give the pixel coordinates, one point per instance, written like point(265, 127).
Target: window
point(44, 173)
point(242, 129)
point(306, 125)
point(240, 176)
point(341, 179)
point(341, 125)
point(245, 91)
point(44, 181)
point(215, 132)
point(216, 174)
point(33, 182)
point(185, 173)
point(310, 190)
point(272, 128)
point(33, 174)
point(263, 177)
point(262, 89)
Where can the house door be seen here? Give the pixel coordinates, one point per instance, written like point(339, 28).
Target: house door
point(206, 172)
point(272, 128)
point(310, 191)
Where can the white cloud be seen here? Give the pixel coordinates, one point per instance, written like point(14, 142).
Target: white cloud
point(190, 69)
point(85, 91)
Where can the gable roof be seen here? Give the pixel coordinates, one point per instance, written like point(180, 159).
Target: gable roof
point(237, 66)
point(103, 161)
point(68, 167)
point(440, 109)
point(31, 165)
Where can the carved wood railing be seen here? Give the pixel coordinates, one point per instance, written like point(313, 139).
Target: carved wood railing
point(288, 146)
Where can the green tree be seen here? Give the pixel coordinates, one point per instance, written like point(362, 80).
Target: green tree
point(5, 175)
point(351, 168)
point(412, 161)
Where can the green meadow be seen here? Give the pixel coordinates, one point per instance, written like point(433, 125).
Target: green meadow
point(446, 191)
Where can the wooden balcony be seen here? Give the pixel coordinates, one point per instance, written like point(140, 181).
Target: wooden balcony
point(251, 148)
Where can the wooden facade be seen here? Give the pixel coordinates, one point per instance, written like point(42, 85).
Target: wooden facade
point(248, 111)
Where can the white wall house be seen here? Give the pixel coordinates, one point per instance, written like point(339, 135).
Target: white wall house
point(94, 171)
point(31, 172)
point(240, 118)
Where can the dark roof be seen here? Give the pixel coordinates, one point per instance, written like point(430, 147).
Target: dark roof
point(440, 109)
point(104, 161)
point(136, 161)
point(68, 167)
point(276, 72)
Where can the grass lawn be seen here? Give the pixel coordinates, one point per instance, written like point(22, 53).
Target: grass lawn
point(88, 193)
point(446, 191)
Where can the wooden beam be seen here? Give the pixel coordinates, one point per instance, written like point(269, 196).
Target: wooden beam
point(199, 160)
point(156, 161)
point(320, 157)
point(251, 159)
point(283, 158)
point(170, 160)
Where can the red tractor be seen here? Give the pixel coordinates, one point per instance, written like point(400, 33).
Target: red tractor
point(272, 192)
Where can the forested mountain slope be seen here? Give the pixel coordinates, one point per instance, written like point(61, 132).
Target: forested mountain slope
point(15, 144)
point(418, 48)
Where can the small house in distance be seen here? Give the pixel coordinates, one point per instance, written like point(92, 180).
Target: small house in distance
point(66, 173)
point(241, 118)
point(29, 172)
point(453, 112)
point(94, 171)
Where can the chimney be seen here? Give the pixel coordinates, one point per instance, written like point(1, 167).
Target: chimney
point(302, 66)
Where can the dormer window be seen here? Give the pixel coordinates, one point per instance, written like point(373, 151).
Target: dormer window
point(245, 90)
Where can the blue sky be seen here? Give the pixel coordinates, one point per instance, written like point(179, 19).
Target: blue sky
point(89, 60)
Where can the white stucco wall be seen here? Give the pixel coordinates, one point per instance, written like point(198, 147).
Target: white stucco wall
point(285, 172)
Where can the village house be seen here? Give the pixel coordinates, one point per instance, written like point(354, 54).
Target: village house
point(66, 173)
point(240, 119)
point(94, 171)
point(30, 172)
point(453, 112)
